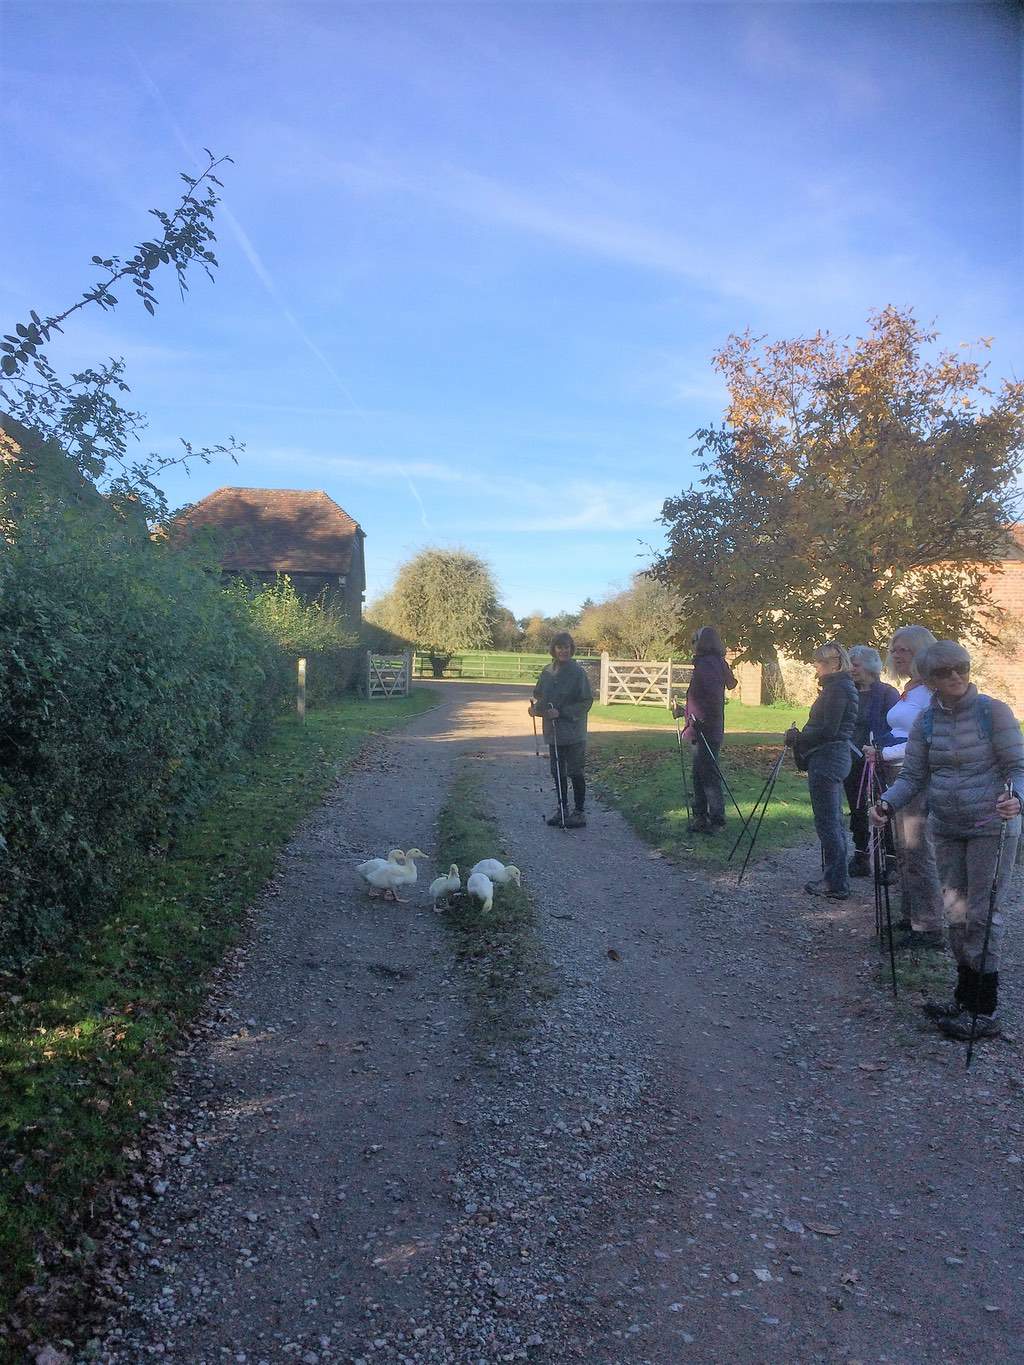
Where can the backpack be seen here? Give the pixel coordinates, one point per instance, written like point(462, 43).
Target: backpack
point(983, 712)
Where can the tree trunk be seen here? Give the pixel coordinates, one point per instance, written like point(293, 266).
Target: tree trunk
point(773, 686)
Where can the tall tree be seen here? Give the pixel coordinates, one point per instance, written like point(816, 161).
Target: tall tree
point(444, 601)
point(851, 488)
point(638, 623)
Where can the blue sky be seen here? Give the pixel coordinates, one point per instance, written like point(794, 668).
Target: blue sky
point(475, 258)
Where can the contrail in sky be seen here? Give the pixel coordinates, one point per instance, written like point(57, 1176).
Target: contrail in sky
point(242, 238)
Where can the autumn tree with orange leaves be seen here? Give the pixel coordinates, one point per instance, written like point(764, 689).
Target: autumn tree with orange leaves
point(852, 487)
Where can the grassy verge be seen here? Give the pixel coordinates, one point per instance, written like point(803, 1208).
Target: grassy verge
point(500, 950)
point(87, 1035)
point(738, 717)
point(639, 774)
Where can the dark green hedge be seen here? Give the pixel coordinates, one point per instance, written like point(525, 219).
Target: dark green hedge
point(129, 681)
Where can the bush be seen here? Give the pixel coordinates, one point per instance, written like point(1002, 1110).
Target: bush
point(309, 630)
point(129, 681)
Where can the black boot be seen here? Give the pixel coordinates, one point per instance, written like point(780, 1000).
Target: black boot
point(860, 864)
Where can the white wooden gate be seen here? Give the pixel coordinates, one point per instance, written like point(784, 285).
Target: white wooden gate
point(640, 681)
point(388, 675)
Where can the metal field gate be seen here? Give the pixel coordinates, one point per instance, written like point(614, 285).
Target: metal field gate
point(388, 675)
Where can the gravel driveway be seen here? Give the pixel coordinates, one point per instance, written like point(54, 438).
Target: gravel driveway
point(721, 1143)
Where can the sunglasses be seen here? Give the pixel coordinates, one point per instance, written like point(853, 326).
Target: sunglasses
point(961, 669)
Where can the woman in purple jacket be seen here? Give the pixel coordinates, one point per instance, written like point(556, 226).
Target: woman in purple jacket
point(704, 709)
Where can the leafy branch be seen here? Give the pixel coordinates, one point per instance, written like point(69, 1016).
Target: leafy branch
point(84, 413)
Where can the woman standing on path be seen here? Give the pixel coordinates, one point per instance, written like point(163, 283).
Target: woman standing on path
point(704, 709)
point(964, 749)
point(920, 896)
point(563, 697)
point(823, 747)
point(876, 697)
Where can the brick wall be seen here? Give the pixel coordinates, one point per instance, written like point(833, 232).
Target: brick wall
point(1001, 671)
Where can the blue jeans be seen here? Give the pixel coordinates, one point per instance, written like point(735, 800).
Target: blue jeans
point(826, 769)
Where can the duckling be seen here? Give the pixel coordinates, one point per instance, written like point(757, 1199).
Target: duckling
point(372, 864)
point(481, 886)
point(443, 888)
point(393, 875)
point(498, 872)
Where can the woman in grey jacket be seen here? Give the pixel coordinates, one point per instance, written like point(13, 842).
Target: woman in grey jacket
point(823, 747)
point(964, 749)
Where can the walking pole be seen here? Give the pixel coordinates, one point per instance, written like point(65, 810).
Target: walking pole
point(558, 777)
point(682, 766)
point(774, 777)
point(753, 811)
point(1007, 791)
point(536, 741)
point(888, 925)
point(718, 770)
point(872, 792)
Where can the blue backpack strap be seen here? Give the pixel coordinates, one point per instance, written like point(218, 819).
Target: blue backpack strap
point(983, 712)
point(985, 725)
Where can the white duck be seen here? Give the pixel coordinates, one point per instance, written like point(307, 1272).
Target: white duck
point(372, 864)
point(393, 875)
point(443, 888)
point(498, 872)
point(481, 886)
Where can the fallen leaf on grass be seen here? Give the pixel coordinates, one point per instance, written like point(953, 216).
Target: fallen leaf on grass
point(655, 853)
point(614, 954)
point(826, 1229)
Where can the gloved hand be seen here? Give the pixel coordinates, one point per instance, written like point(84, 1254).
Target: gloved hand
point(792, 735)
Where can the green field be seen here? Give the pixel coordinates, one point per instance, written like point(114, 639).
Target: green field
point(487, 666)
point(738, 718)
point(640, 775)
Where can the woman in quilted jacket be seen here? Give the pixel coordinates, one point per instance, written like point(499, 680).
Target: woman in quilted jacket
point(824, 748)
point(964, 750)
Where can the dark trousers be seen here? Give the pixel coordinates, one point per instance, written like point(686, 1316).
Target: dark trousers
point(708, 801)
point(571, 759)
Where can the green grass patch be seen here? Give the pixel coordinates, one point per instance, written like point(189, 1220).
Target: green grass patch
point(87, 1034)
point(744, 719)
point(640, 775)
point(506, 966)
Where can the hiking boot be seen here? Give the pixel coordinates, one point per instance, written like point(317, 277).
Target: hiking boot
point(988, 1026)
point(942, 1009)
point(923, 939)
point(556, 819)
point(860, 864)
point(576, 820)
point(698, 826)
point(822, 888)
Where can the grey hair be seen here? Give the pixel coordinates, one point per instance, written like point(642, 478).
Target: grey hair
point(869, 659)
point(830, 648)
point(918, 638)
point(942, 654)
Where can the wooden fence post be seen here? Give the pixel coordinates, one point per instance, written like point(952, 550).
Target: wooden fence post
point(408, 671)
point(300, 701)
point(668, 686)
point(603, 690)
